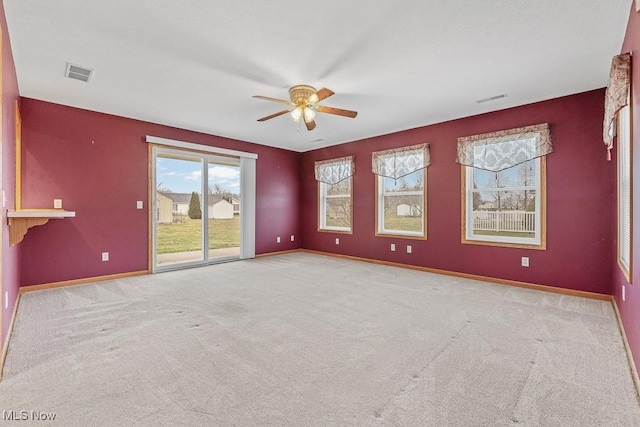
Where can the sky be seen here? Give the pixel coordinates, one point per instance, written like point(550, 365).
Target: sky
point(184, 176)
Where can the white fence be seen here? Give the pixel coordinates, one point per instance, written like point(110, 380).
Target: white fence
point(518, 221)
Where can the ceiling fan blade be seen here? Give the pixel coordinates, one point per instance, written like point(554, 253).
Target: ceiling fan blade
point(323, 93)
point(266, 98)
point(279, 113)
point(311, 124)
point(336, 111)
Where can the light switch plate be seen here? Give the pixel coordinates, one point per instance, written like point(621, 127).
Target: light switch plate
point(57, 203)
point(139, 204)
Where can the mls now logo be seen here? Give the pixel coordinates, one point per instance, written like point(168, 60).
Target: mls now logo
point(24, 415)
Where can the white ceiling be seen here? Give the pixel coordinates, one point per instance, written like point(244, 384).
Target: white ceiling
point(401, 64)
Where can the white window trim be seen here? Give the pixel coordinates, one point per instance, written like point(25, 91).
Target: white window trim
point(380, 230)
point(322, 202)
point(537, 242)
point(625, 191)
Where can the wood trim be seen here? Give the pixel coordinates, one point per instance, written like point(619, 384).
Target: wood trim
point(5, 347)
point(543, 210)
point(150, 207)
point(627, 347)
point(18, 196)
point(268, 254)
point(82, 281)
point(534, 286)
point(174, 143)
point(377, 232)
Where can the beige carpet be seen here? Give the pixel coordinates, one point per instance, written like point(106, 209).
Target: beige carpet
point(308, 340)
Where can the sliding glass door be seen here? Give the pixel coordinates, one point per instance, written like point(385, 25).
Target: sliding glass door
point(196, 208)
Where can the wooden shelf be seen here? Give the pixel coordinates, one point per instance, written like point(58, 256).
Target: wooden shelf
point(21, 220)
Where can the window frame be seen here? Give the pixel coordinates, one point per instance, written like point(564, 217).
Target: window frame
point(511, 242)
point(624, 155)
point(379, 208)
point(322, 208)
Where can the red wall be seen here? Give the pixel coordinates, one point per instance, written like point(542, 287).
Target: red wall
point(98, 165)
point(579, 192)
point(9, 255)
point(630, 309)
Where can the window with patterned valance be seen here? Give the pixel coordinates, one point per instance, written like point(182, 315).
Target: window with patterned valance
point(333, 171)
point(401, 190)
point(335, 203)
point(501, 150)
point(398, 162)
point(504, 186)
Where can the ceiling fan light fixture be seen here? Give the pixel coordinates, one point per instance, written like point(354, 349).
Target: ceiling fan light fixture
point(296, 113)
point(309, 114)
point(313, 98)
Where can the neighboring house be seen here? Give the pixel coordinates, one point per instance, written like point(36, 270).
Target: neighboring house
point(169, 205)
point(164, 205)
point(236, 206)
point(219, 208)
point(403, 210)
point(407, 210)
point(487, 206)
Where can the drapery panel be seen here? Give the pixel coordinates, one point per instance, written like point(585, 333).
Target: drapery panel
point(501, 150)
point(333, 171)
point(398, 162)
point(616, 96)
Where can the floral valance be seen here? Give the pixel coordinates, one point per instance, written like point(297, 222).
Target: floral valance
point(616, 96)
point(496, 151)
point(398, 162)
point(333, 171)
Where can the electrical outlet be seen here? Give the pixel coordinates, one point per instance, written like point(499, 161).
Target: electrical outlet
point(337, 241)
point(139, 204)
point(525, 261)
point(624, 294)
point(293, 238)
point(393, 247)
point(409, 249)
point(278, 239)
point(57, 203)
point(105, 256)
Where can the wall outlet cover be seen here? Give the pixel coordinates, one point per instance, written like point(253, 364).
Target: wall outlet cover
point(57, 203)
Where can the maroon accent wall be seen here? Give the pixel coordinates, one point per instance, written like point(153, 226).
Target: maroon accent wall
point(630, 308)
point(98, 165)
point(9, 258)
point(580, 184)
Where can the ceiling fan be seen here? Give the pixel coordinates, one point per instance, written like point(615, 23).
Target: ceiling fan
point(305, 101)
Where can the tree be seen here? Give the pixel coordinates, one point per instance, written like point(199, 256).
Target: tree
point(194, 206)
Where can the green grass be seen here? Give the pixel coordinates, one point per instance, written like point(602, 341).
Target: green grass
point(186, 236)
point(525, 235)
point(402, 223)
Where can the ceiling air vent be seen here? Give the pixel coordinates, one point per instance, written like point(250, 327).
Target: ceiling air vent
point(492, 98)
point(79, 73)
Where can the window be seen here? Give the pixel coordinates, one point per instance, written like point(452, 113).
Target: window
point(504, 187)
point(401, 205)
point(505, 207)
point(624, 191)
point(401, 191)
point(335, 206)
